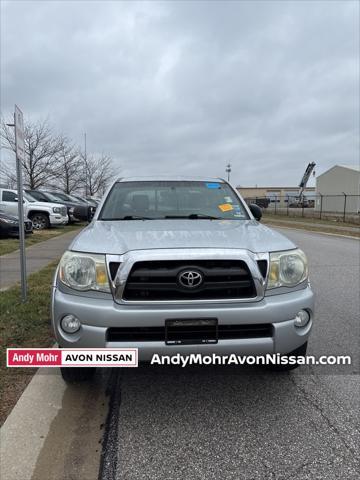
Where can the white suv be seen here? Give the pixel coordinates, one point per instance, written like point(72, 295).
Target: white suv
point(43, 215)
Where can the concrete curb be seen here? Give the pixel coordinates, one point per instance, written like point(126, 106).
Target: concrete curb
point(55, 430)
point(23, 434)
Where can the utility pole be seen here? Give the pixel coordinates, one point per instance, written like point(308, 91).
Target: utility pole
point(228, 171)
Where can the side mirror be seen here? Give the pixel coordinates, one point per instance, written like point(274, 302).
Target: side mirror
point(256, 211)
point(84, 213)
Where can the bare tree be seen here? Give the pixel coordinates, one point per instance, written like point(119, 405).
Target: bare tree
point(7, 172)
point(70, 169)
point(42, 148)
point(97, 172)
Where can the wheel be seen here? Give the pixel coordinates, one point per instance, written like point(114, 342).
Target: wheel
point(300, 351)
point(40, 221)
point(77, 374)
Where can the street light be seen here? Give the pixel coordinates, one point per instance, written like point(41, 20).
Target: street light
point(228, 171)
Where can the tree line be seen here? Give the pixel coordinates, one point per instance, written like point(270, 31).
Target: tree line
point(52, 160)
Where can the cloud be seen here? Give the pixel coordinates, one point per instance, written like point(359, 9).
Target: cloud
point(186, 87)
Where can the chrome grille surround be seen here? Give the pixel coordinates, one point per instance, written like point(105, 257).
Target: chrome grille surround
point(128, 259)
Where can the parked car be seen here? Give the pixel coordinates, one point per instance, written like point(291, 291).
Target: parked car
point(262, 202)
point(67, 197)
point(9, 225)
point(45, 196)
point(87, 200)
point(70, 198)
point(95, 201)
point(42, 214)
point(177, 266)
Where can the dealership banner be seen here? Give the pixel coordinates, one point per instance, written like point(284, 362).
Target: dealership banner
point(62, 357)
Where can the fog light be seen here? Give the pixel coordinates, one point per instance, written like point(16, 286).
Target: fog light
point(70, 324)
point(302, 318)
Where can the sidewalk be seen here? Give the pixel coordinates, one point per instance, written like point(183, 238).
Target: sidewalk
point(37, 257)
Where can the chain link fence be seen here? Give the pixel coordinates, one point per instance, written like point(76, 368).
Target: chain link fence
point(344, 208)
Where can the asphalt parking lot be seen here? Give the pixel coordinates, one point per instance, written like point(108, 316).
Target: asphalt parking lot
point(229, 423)
point(238, 423)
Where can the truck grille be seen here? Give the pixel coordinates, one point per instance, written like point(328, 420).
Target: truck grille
point(160, 280)
point(63, 211)
point(28, 226)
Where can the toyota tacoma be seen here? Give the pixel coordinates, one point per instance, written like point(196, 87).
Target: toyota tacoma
point(177, 265)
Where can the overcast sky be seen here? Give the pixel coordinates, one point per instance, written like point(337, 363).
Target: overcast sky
point(185, 87)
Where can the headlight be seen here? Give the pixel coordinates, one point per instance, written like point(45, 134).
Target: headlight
point(71, 210)
point(287, 269)
point(84, 271)
point(56, 209)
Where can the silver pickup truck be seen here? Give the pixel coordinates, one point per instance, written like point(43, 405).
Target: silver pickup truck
point(181, 265)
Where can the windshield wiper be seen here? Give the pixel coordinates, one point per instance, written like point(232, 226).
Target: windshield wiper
point(196, 216)
point(191, 216)
point(128, 217)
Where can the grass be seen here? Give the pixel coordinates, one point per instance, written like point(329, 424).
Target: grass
point(23, 325)
point(324, 226)
point(334, 223)
point(8, 245)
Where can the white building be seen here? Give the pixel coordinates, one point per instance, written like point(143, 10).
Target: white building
point(333, 184)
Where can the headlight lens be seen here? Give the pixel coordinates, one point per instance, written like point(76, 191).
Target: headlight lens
point(84, 271)
point(56, 209)
point(287, 269)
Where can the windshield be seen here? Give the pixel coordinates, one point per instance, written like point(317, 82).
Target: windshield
point(28, 197)
point(62, 196)
point(76, 199)
point(171, 200)
point(51, 197)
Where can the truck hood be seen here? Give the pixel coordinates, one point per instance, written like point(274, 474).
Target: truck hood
point(46, 205)
point(119, 237)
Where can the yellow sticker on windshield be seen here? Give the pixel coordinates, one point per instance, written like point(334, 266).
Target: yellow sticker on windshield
point(226, 207)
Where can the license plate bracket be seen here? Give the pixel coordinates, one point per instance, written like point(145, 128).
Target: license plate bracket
point(191, 331)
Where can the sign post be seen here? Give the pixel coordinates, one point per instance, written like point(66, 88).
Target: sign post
point(20, 157)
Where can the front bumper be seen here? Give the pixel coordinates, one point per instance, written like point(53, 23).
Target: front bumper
point(99, 314)
point(56, 219)
point(72, 218)
point(12, 230)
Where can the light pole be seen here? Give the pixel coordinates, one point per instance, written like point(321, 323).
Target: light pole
point(228, 171)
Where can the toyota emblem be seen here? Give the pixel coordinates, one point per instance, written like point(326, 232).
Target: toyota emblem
point(190, 278)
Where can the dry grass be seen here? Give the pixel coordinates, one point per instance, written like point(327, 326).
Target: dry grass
point(23, 325)
point(293, 223)
point(8, 245)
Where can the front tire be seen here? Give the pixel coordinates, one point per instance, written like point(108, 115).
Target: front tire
point(77, 374)
point(40, 221)
point(300, 351)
